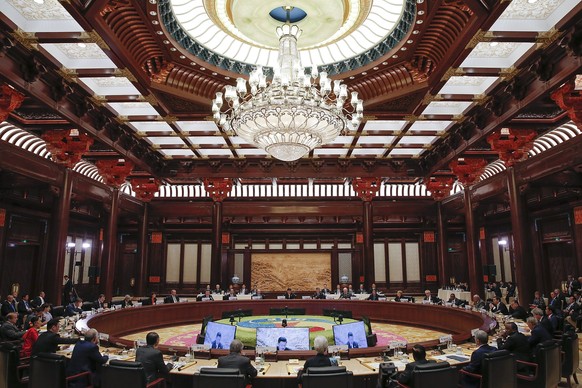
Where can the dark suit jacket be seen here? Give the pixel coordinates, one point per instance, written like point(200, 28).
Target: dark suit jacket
point(168, 299)
point(499, 309)
point(517, 344)
point(153, 363)
point(406, 376)
point(373, 297)
point(237, 361)
point(24, 307)
point(518, 313)
point(475, 365)
point(97, 305)
point(538, 335)
point(37, 302)
point(148, 302)
point(315, 361)
point(7, 308)
point(71, 310)
point(48, 342)
point(290, 296)
point(85, 358)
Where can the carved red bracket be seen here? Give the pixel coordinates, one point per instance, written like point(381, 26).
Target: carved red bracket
point(439, 187)
point(218, 188)
point(467, 170)
point(67, 147)
point(366, 188)
point(570, 100)
point(114, 171)
point(145, 188)
point(10, 99)
point(512, 144)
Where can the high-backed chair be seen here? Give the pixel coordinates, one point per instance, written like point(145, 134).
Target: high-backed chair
point(571, 357)
point(547, 368)
point(328, 376)
point(13, 374)
point(124, 374)
point(434, 374)
point(50, 369)
point(498, 370)
point(219, 377)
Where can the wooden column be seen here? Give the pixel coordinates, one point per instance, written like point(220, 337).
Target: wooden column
point(525, 273)
point(219, 270)
point(368, 231)
point(110, 251)
point(442, 249)
point(55, 263)
point(473, 259)
point(141, 280)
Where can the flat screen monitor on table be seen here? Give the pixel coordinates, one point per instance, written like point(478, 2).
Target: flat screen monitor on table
point(283, 338)
point(351, 334)
point(219, 335)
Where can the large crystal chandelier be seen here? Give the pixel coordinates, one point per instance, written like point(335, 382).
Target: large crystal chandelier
point(294, 112)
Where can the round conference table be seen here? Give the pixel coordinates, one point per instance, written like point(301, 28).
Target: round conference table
point(122, 322)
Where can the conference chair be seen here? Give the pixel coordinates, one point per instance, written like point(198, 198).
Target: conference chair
point(547, 368)
point(219, 377)
point(434, 374)
point(498, 370)
point(125, 374)
point(13, 372)
point(49, 369)
point(571, 357)
point(327, 376)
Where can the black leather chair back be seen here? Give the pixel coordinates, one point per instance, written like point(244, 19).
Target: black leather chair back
point(327, 376)
point(499, 370)
point(432, 375)
point(547, 356)
point(47, 369)
point(571, 354)
point(219, 377)
point(9, 359)
point(123, 374)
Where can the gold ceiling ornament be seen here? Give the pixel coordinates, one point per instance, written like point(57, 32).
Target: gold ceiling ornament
point(27, 39)
point(480, 36)
point(94, 37)
point(293, 113)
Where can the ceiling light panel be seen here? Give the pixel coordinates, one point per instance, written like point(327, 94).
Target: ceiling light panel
point(73, 56)
point(502, 55)
point(384, 125)
point(110, 86)
point(446, 108)
point(211, 140)
point(527, 15)
point(337, 152)
point(30, 16)
point(406, 151)
point(177, 152)
point(197, 126)
point(468, 85)
point(151, 126)
point(165, 140)
point(368, 151)
point(429, 126)
point(133, 108)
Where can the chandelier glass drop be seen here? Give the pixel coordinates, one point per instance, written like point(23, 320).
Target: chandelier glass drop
point(292, 113)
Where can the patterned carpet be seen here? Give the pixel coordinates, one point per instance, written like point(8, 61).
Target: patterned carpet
point(185, 335)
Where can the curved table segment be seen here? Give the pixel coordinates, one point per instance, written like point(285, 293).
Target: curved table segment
point(458, 322)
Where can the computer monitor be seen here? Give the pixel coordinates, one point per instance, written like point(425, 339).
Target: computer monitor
point(219, 335)
point(351, 334)
point(284, 338)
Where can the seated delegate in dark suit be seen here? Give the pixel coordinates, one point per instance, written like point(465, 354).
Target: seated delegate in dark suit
point(539, 333)
point(572, 311)
point(361, 290)
point(538, 301)
point(126, 302)
point(237, 361)
point(49, 341)
point(516, 311)
point(474, 366)
point(74, 308)
point(172, 298)
point(231, 294)
point(289, 294)
point(206, 297)
point(151, 301)
point(515, 342)
point(99, 303)
point(373, 295)
point(345, 294)
point(428, 298)
point(497, 307)
point(9, 331)
point(419, 355)
point(39, 300)
point(86, 358)
point(151, 358)
point(318, 294)
point(8, 306)
point(320, 359)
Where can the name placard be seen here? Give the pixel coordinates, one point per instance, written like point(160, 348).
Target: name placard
point(445, 338)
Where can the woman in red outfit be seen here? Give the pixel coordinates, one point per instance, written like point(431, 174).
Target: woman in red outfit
point(30, 337)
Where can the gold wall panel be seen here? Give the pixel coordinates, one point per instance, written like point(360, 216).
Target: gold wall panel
point(300, 271)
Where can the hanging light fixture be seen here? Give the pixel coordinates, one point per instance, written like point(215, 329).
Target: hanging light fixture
point(292, 113)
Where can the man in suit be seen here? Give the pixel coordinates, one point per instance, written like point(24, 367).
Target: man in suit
point(24, 309)
point(39, 300)
point(99, 303)
point(8, 306)
point(516, 311)
point(237, 361)
point(572, 311)
point(151, 358)
point(282, 344)
point(325, 290)
point(345, 294)
point(217, 342)
point(49, 341)
point(552, 318)
point(419, 355)
point(74, 308)
point(515, 342)
point(428, 298)
point(172, 298)
point(351, 343)
point(474, 366)
point(9, 331)
point(373, 295)
point(151, 301)
point(290, 294)
point(497, 307)
point(478, 303)
point(361, 290)
point(86, 358)
point(320, 359)
point(538, 332)
point(318, 294)
point(538, 301)
point(67, 291)
point(206, 297)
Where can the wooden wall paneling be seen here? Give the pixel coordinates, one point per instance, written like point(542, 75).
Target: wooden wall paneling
point(429, 264)
point(577, 235)
point(111, 247)
point(141, 276)
point(156, 271)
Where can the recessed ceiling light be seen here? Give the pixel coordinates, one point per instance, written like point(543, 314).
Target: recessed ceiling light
point(166, 42)
point(193, 63)
point(403, 49)
point(394, 56)
point(384, 63)
point(409, 41)
point(376, 68)
point(202, 68)
point(352, 77)
point(419, 22)
point(182, 57)
point(214, 73)
point(159, 33)
point(421, 12)
point(364, 72)
point(153, 13)
point(155, 22)
point(416, 32)
point(226, 77)
point(173, 49)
